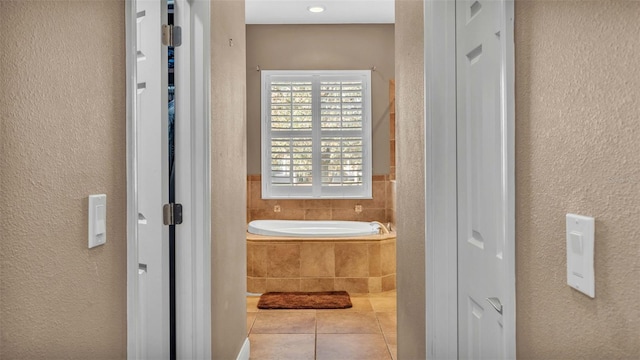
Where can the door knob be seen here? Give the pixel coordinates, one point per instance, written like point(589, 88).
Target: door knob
point(495, 302)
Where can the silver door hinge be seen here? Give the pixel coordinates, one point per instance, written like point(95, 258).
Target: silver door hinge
point(172, 214)
point(171, 35)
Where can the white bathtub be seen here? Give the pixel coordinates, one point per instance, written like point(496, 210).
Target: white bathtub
point(313, 228)
point(305, 255)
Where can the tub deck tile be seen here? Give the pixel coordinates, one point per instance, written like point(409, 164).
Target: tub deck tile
point(358, 264)
point(284, 260)
point(317, 259)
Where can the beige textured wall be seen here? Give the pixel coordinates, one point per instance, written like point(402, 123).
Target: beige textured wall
point(410, 185)
point(62, 136)
point(578, 151)
point(322, 47)
point(228, 179)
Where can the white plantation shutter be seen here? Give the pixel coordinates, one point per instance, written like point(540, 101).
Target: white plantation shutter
point(291, 161)
point(316, 134)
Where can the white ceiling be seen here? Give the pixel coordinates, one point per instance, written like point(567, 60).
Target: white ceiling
point(336, 12)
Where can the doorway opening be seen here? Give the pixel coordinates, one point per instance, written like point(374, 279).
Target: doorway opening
point(434, 129)
point(371, 324)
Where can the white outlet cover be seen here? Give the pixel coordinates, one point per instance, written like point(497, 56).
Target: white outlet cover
point(580, 236)
point(97, 220)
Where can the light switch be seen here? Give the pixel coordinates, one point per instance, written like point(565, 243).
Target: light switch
point(576, 242)
point(580, 246)
point(100, 220)
point(97, 220)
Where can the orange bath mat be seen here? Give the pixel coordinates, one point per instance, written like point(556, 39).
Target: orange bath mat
point(305, 300)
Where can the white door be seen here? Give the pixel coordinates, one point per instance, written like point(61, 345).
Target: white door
point(152, 184)
point(151, 332)
point(484, 220)
point(192, 184)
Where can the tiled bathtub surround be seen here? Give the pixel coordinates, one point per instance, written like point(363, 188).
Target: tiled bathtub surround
point(358, 265)
point(392, 129)
point(391, 202)
point(377, 209)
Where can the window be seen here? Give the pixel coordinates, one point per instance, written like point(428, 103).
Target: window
point(316, 134)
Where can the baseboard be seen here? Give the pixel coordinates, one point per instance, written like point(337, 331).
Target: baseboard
point(245, 351)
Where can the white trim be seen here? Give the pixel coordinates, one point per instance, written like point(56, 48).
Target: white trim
point(193, 259)
point(441, 203)
point(508, 163)
point(145, 339)
point(193, 183)
point(440, 138)
point(245, 351)
point(133, 328)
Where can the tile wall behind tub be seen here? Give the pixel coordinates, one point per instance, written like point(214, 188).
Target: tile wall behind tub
point(391, 201)
point(380, 208)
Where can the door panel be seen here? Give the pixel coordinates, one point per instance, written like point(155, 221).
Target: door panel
point(151, 121)
point(481, 188)
point(475, 312)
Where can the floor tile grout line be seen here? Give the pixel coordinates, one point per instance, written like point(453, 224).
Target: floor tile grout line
point(376, 314)
point(251, 326)
point(315, 342)
point(384, 336)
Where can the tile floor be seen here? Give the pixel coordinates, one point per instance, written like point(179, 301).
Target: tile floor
point(365, 331)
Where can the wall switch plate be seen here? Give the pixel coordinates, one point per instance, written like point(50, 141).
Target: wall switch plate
point(580, 253)
point(97, 220)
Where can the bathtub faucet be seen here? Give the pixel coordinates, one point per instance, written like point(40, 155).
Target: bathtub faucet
point(381, 228)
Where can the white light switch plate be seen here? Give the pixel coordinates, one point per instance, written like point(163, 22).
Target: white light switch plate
point(97, 220)
point(580, 254)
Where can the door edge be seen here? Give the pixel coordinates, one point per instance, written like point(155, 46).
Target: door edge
point(440, 139)
point(133, 334)
point(193, 165)
point(441, 261)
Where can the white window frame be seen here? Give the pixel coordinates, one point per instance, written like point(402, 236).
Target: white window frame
point(316, 191)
